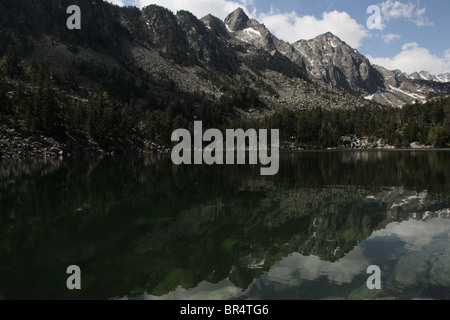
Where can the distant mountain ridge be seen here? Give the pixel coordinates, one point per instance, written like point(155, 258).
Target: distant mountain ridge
point(131, 76)
point(209, 55)
point(422, 75)
point(329, 59)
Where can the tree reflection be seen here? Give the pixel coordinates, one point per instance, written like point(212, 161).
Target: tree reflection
point(140, 223)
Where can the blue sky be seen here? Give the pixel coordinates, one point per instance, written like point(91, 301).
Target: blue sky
point(414, 35)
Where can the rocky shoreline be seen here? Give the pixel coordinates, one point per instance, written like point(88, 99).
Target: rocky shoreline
point(360, 143)
point(15, 144)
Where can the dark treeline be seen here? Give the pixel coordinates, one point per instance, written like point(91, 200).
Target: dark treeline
point(87, 101)
point(108, 121)
point(90, 101)
point(427, 124)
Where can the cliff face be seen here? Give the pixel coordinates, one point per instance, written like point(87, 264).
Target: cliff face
point(333, 61)
point(207, 54)
point(192, 55)
point(328, 59)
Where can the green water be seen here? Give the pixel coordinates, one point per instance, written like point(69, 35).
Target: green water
point(141, 228)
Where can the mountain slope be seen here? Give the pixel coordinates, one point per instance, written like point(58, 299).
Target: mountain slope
point(211, 55)
point(425, 75)
point(399, 90)
point(330, 60)
point(256, 34)
point(131, 76)
point(181, 52)
point(333, 61)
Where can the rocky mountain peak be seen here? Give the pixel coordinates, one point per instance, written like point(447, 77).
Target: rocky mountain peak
point(444, 77)
point(422, 76)
point(190, 24)
point(330, 59)
point(216, 25)
point(330, 40)
point(329, 35)
point(415, 76)
point(426, 75)
point(237, 20)
point(159, 19)
point(256, 34)
point(401, 76)
point(186, 15)
point(162, 42)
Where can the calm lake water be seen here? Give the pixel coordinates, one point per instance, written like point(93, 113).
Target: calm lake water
point(142, 228)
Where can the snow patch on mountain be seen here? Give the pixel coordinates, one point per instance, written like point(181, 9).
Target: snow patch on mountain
point(251, 31)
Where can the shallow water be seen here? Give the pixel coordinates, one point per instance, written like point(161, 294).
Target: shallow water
point(142, 228)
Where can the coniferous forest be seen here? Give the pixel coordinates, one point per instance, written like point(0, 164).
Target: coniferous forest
point(63, 104)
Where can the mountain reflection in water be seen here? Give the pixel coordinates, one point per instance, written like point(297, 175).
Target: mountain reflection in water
point(142, 228)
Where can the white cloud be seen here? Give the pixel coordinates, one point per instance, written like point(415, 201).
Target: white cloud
point(297, 266)
point(200, 8)
point(390, 37)
point(413, 58)
point(396, 9)
point(416, 234)
point(291, 27)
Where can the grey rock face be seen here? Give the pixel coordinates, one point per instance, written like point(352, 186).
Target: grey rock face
point(422, 75)
point(401, 76)
point(415, 76)
point(410, 91)
point(445, 77)
point(400, 88)
point(426, 76)
point(216, 26)
point(182, 53)
point(164, 33)
point(256, 34)
point(330, 59)
point(237, 20)
point(197, 36)
point(390, 77)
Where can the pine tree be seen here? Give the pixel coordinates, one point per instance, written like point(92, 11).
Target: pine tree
point(4, 102)
point(150, 126)
point(12, 61)
point(439, 136)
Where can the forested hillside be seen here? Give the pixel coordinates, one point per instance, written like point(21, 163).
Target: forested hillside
point(145, 73)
